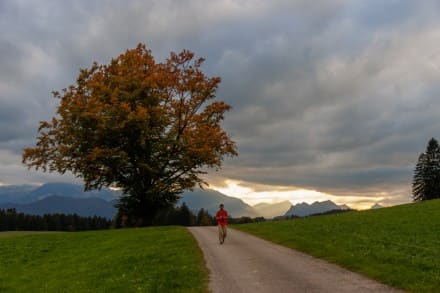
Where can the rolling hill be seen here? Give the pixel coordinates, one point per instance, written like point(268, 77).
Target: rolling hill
point(397, 245)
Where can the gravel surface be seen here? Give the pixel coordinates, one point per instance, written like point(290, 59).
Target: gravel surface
point(245, 263)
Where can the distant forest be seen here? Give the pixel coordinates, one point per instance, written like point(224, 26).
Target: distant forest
point(11, 220)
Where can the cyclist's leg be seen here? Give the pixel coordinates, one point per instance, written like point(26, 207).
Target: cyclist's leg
point(220, 234)
point(223, 233)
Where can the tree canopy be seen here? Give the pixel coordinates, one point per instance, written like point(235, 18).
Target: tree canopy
point(148, 128)
point(426, 181)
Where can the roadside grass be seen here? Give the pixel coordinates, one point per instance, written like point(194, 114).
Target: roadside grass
point(5, 234)
point(399, 246)
point(157, 259)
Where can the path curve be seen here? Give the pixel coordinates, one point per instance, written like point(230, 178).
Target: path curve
point(245, 263)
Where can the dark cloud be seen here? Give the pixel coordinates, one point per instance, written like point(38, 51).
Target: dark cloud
point(335, 96)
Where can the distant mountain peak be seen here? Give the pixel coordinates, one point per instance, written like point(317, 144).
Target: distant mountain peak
point(345, 207)
point(318, 207)
point(376, 206)
point(325, 202)
point(269, 210)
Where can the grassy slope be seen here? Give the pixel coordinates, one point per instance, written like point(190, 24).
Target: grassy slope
point(161, 259)
point(399, 246)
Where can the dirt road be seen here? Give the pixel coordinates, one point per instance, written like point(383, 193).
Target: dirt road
point(245, 263)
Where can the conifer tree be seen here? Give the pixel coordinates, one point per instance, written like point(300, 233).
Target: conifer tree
point(426, 181)
point(204, 218)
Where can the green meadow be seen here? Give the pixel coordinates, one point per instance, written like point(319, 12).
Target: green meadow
point(399, 246)
point(158, 259)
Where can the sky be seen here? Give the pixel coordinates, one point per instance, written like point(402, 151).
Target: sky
point(331, 99)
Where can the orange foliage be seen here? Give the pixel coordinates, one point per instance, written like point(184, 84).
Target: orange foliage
point(149, 128)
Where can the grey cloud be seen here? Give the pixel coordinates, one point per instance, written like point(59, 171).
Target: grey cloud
point(366, 108)
point(334, 96)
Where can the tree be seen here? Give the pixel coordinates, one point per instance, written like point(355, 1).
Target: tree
point(184, 216)
point(150, 129)
point(204, 218)
point(426, 181)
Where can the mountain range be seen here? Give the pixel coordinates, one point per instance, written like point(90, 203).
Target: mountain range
point(85, 207)
point(65, 198)
point(71, 198)
point(28, 193)
point(305, 209)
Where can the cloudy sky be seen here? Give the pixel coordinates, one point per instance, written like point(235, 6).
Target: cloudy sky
point(331, 99)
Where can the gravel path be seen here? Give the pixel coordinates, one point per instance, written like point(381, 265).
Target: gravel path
point(245, 263)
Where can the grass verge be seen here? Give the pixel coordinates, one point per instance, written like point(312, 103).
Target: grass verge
point(399, 246)
point(158, 259)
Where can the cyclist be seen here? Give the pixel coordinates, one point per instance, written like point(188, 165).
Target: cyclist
point(222, 222)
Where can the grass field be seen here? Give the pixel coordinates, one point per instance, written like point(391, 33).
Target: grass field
point(399, 246)
point(159, 259)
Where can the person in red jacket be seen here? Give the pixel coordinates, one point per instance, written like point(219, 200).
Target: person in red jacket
point(222, 222)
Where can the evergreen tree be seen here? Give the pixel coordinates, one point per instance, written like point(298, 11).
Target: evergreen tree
point(204, 218)
point(426, 181)
point(184, 216)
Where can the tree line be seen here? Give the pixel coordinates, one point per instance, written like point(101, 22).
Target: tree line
point(181, 216)
point(11, 220)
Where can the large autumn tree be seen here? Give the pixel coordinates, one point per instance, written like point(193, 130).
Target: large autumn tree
point(148, 128)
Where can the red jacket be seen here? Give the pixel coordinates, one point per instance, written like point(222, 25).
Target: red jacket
point(222, 217)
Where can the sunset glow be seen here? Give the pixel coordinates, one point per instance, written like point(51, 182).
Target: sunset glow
point(273, 194)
